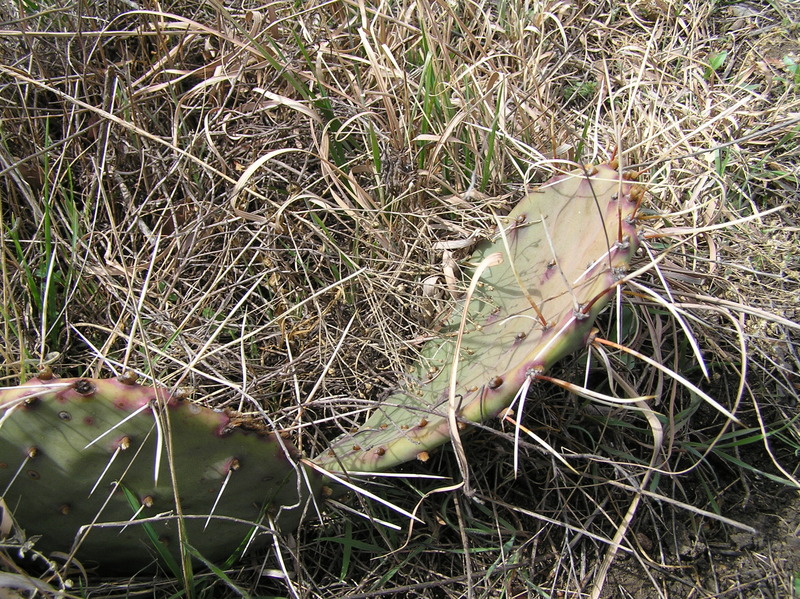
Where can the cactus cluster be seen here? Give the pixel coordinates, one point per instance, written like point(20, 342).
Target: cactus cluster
point(119, 473)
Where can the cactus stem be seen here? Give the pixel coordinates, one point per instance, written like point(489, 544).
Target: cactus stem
point(568, 245)
point(495, 382)
point(109, 485)
point(84, 387)
point(128, 377)
point(11, 406)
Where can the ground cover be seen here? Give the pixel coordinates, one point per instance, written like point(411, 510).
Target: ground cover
point(270, 204)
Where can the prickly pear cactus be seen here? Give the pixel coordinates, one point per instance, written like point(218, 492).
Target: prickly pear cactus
point(563, 250)
point(110, 469)
point(117, 472)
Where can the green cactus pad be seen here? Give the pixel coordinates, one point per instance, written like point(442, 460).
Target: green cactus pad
point(79, 456)
point(564, 248)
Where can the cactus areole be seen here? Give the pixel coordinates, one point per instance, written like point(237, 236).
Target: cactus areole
point(123, 475)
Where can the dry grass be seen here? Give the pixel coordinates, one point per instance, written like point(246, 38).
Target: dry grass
point(213, 195)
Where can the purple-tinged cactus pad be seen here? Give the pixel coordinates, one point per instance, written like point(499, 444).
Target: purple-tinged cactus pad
point(81, 456)
point(564, 249)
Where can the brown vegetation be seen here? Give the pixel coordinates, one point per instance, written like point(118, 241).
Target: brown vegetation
point(213, 195)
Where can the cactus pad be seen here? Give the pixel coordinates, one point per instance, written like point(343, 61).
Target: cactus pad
point(95, 466)
point(563, 248)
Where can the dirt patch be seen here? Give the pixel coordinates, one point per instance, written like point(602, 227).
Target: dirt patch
point(721, 562)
